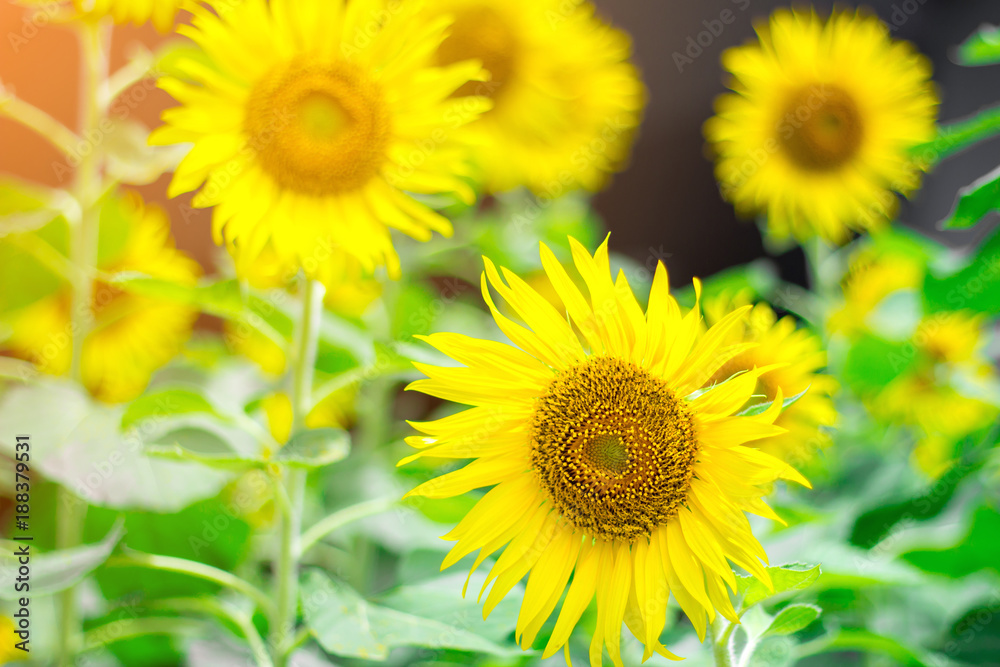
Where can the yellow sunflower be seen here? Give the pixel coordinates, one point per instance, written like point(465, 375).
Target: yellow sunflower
point(161, 13)
point(607, 463)
point(817, 132)
point(938, 396)
point(872, 276)
point(349, 293)
point(133, 335)
point(313, 124)
point(566, 99)
point(795, 357)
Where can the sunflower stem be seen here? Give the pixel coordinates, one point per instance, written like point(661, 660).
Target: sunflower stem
point(71, 511)
point(286, 583)
point(719, 632)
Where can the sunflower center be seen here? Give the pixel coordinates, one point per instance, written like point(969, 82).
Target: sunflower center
point(822, 128)
point(481, 33)
point(318, 128)
point(614, 448)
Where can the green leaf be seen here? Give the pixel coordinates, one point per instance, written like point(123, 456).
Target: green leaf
point(222, 299)
point(873, 525)
point(873, 362)
point(975, 287)
point(440, 598)
point(792, 577)
point(980, 48)
point(166, 403)
point(315, 448)
point(57, 570)
point(869, 642)
point(761, 408)
point(975, 202)
point(346, 624)
point(77, 442)
point(792, 619)
point(213, 532)
point(979, 550)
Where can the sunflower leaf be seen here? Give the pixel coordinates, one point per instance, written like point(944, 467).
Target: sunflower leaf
point(166, 403)
point(761, 408)
point(58, 570)
point(791, 619)
point(981, 48)
point(346, 624)
point(975, 202)
point(792, 577)
point(315, 448)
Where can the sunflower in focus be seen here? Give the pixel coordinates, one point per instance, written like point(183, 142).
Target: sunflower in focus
point(795, 358)
point(566, 99)
point(133, 335)
point(817, 131)
point(315, 122)
point(607, 463)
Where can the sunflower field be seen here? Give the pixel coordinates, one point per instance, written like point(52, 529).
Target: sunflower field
point(499, 332)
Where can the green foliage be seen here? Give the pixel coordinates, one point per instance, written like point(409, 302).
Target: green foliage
point(975, 202)
point(345, 624)
point(976, 286)
point(314, 448)
point(978, 550)
point(785, 578)
point(981, 48)
point(58, 570)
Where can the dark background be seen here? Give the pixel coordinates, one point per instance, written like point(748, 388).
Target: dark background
point(666, 199)
point(668, 196)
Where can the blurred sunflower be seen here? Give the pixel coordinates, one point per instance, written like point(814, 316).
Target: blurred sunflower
point(350, 291)
point(566, 99)
point(795, 358)
point(313, 121)
point(941, 396)
point(603, 464)
point(133, 335)
point(817, 131)
point(8, 652)
point(872, 275)
point(161, 13)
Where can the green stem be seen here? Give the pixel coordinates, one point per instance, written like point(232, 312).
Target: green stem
point(719, 632)
point(344, 517)
point(70, 511)
point(287, 570)
point(194, 569)
point(956, 137)
point(39, 121)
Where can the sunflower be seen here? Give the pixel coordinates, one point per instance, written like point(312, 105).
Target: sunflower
point(313, 122)
point(795, 356)
point(132, 335)
point(818, 129)
point(566, 99)
point(607, 460)
point(161, 13)
point(349, 293)
point(942, 395)
point(872, 276)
